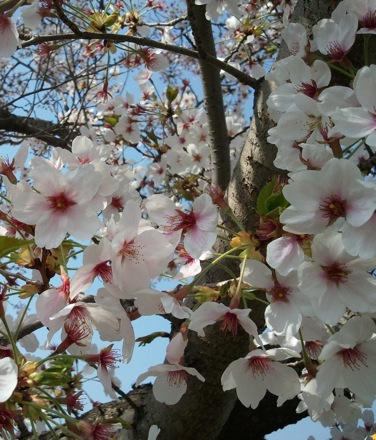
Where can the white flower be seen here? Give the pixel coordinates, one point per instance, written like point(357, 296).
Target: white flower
point(8, 378)
point(283, 315)
point(295, 36)
point(356, 122)
point(321, 198)
point(259, 371)
point(171, 381)
point(335, 38)
point(199, 225)
point(137, 255)
point(335, 280)
point(63, 204)
point(349, 360)
point(211, 312)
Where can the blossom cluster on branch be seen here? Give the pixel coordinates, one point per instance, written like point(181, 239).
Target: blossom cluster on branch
point(309, 262)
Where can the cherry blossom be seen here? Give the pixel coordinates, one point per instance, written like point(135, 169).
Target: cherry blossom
point(211, 312)
point(96, 260)
point(348, 360)
point(198, 226)
point(137, 255)
point(336, 37)
point(171, 381)
point(335, 194)
point(258, 372)
point(356, 122)
point(334, 279)
point(284, 313)
point(63, 204)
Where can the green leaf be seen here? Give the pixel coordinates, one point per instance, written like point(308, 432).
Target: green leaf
point(11, 244)
point(271, 202)
point(171, 93)
point(263, 197)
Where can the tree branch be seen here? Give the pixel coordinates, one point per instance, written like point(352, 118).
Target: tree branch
point(53, 134)
point(212, 87)
point(141, 41)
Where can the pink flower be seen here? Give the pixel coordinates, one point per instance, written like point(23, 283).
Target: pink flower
point(198, 226)
point(63, 204)
point(257, 372)
point(8, 36)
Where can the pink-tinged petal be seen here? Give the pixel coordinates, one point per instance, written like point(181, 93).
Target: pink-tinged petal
point(8, 36)
point(160, 208)
point(128, 224)
point(104, 321)
point(360, 241)
point(250, 391)
point(28, 206)
point(284, 254)
point(329, 374)
point(47, 180)
point(105, 377)
point(82, 222)
point(207, 314)
point(84, 183)
point(365, 87)
point(153, 432)
point(197, 241)
point(205, 212)
point(169, 388)
point(354, 122)
point(175, 349)
point(8, 378)
point(283, 318)
point(258, 275)
point(50, 231)
point(283, 381)
point(49, 303)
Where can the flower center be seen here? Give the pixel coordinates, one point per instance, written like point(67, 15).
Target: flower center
point(279, 293)
point(369, 19)
point(336, 273)
point(60, 202)
point(104, 270)
point(230, 323)
point(307, 89)
point(353, 357)
point(260, 365)
point(335, 51)
point(176, 378)
point(130, 251)
point(182, 221)
point(117, 202)
point(333, 207)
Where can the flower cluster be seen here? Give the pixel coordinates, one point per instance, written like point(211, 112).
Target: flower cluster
point(309, 262)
